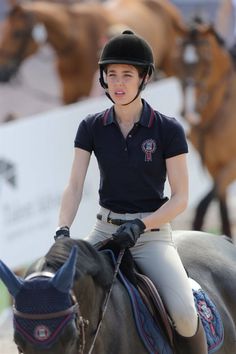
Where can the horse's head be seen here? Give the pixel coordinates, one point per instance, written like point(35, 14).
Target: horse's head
point(18, 41)
point(203, 65)
point(45, 316)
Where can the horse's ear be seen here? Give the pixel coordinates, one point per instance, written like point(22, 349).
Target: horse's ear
point(198, 25)
point(64, 277)
point(13, 2)
point(12, 282)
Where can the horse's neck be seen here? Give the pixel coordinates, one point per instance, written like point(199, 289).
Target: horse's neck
point(66, 26)
point(90, 298)
point(45, 12)
point(48, 14)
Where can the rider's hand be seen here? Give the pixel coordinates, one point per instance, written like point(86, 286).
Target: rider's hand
point(61, 232)
point(128, 233)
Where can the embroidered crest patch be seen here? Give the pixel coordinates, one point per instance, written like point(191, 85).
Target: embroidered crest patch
point(41, 333)
point(149, 147)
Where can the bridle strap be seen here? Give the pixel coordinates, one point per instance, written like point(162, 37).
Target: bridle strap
point(81, 325)
point(202, 130)
point(226, 78)
point(46, 316)
point(45, 274)
point(25, 34)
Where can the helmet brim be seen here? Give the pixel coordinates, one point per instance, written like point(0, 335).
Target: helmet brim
point(123, 61)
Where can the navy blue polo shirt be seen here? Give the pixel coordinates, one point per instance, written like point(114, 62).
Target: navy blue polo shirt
point(132, 170)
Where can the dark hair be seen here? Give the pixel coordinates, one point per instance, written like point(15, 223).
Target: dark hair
point(142, 71)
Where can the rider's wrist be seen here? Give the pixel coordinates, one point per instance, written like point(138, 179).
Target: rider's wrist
point(62, 227)
point(61, 232)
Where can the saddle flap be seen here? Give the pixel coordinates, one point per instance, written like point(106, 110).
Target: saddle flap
point(153, 301)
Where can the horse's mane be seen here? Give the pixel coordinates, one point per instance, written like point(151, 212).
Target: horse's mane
point(89, 260)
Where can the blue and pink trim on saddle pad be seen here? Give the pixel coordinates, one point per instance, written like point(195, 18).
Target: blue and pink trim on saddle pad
point(211, 320)
point(152, 335)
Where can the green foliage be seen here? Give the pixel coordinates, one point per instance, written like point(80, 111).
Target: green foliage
point(4, 297)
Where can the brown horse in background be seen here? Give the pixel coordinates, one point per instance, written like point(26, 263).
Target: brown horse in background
point(155, 20)
point(73, 32)
point(206, 71)
point(77, 33)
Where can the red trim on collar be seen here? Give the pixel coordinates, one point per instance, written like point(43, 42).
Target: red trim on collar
point(106, 116)
point(151, 118)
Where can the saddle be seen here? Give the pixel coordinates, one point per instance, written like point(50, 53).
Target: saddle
point(131, 276)
point(145, 287)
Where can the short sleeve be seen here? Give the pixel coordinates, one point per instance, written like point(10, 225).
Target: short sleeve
point(175, 142)
point(83, 139)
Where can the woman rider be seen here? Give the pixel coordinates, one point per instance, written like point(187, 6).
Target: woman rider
point(137, 148)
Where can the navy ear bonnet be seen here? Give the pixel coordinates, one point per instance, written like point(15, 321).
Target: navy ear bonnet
point(39, 296)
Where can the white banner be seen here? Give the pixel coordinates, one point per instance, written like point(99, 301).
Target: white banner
point(35, 160)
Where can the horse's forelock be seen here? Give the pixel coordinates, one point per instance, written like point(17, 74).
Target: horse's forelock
point(89, 262)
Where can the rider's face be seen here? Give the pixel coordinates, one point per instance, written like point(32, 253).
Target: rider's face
point(123, 81)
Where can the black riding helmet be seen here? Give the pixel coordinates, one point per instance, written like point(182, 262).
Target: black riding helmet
point(127, 48)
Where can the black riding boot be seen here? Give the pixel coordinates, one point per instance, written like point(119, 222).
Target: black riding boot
point(196, 344)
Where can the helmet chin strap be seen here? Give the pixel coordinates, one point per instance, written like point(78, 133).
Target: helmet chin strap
point(141, 88)
point(125, 104)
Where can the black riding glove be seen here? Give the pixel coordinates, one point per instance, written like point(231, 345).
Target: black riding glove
point(128, 233)
point(61, 232)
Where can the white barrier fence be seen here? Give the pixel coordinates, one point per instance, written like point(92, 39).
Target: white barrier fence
point(35, 160)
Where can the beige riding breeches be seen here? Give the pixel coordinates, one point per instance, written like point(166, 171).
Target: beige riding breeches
point(157, 257)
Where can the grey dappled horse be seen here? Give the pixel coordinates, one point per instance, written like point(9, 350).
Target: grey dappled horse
point(210, 260)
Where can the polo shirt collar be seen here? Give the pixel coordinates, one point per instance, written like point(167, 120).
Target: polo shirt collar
point(146, 119)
